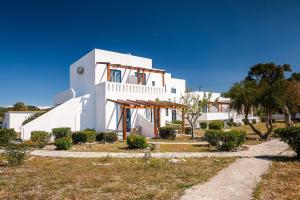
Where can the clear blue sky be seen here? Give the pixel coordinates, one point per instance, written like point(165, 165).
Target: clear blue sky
point(208, 43)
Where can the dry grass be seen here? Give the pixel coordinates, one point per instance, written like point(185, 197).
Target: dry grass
point(105, 178)
point(122, 147)
point(281, 182)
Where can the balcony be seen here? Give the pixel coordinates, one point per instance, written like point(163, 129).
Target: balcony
point(130, 91)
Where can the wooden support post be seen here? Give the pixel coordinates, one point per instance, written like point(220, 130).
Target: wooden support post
point(143, 78)
point(138, 76)
point(108, 72)
point(221, 107)
point(163, 79)
point(158, 118)
point(124, 123)
point(155, 122)
point(182, 121)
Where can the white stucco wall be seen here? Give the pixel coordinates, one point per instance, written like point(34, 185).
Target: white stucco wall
point(75, 113)
point(14, 119)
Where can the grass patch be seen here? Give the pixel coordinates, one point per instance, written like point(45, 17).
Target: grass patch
point(281, 182)
point(105, 178)
point(123, 147)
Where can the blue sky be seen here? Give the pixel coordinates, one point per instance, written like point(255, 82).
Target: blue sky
point(211, 44)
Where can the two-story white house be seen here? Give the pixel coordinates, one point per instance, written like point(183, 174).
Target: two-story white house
point(113, 91)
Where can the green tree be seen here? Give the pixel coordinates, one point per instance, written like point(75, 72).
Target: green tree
point(20, 106)
point(195, 106)
point(264, 90)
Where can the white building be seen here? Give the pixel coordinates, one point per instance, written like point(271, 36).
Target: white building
point(106, 85)
point(14, 119)
point(219, 108)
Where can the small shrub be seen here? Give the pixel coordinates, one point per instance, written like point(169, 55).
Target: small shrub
point(7, 136)
point(167, 132)
point(108, 137)
point(177, 122)
point(225, 141)
point(231, 140)
point(188, 130)
point(84, 136)
point(291, 136)
point(231, 123)
point(203, 125)
point(216, 125)
point(63, 143)
point(254, 121)
point(136, 141)
point(212, 137)
point(15, 154)
point(40, 138)
point(61, 132)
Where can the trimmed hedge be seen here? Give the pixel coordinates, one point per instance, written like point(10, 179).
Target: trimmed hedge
point(216, 125)
point(203, 125)
point(7, 136)
point(177, 122)
point(40, 138)
point(136, 141)
point(291, 136)
point(84, 136)
point(167, 132)
point(108, 137)
point(63, 143)
point(225, 141)
point(61, 132)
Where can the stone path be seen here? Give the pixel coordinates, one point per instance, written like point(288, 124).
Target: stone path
point(235, 182)
point(271, 148)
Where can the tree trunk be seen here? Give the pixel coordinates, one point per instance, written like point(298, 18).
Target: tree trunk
point(192, 126)
point(287, 117)
point(257, 132)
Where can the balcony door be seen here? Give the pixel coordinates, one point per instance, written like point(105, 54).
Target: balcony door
point(115, 76)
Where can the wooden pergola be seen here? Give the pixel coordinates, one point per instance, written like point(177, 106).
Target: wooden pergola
point(219, 104)
point(155, 105)
point(139, 70)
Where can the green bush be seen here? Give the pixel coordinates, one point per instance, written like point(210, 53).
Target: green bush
point(167, 132)
point(188, 130)
point(177, 122)
point(40, 138)
point(225, 141)
point(291, 136)
point(108, 137)
point(254, 121)
point(84, 136)
point(136, 141)
point(203, 125)
point(61, 132)
point(15, 154)
point(63, 143)
point(7, 136)
point(230, 123)
point(216, 125)
point(231, 140)
point(212, 137)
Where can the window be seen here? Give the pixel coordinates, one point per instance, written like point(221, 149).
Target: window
point(173, 90)
point(167, 112)
point(142, 77)
point(115, 76)
point(153, 83)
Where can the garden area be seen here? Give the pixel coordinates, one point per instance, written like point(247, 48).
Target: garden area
point(108, 178)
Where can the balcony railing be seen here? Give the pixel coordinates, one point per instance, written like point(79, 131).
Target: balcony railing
point(131, 90)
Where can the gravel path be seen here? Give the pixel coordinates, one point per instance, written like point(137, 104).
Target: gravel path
point(236, 182)
point(271, 148)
